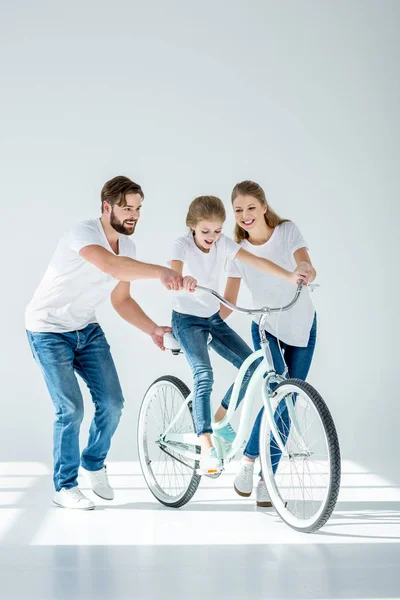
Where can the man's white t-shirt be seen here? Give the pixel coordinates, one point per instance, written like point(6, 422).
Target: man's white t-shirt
point(206, 267)
point(292, 326)
point(72, 287)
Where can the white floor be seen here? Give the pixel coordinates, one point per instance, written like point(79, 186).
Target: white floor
point(217, 546)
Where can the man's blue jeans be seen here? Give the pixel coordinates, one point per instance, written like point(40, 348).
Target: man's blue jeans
point(60, 356)
point(192, 333)
point(298, 361)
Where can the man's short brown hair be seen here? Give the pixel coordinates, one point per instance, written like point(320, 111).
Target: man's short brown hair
point(115, 191)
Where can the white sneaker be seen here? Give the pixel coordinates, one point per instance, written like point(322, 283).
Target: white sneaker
point(243, 483)
point(99, 482)
point(72, 498)
point(262, 496)
point(210, 463)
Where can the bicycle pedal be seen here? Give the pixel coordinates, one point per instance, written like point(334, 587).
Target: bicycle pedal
point(209, 472)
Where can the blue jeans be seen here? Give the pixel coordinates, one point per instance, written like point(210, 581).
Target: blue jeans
point(60, 356)
point(192, 333)
point(298, 361)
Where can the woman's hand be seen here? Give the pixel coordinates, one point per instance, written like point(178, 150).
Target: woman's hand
point(297, 276)
point(306, 270)
point(189, 283)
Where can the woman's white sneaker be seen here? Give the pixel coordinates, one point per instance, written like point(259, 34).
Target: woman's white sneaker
point(262, 496)
point(73, 498)
point(243, 483)
point(99, 482)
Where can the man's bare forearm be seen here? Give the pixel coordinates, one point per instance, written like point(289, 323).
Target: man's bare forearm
point(130, 311)
point(128, 269)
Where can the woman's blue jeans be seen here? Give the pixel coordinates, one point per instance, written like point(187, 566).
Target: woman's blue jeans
point(192, 333)
point(298, 361)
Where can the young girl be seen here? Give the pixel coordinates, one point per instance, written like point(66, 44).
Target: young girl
point(259, 230)
point(201, 257)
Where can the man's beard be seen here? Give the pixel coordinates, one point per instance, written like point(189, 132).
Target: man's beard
point(120, 226)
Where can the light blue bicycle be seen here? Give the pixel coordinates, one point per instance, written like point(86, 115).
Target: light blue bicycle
point(306, 482)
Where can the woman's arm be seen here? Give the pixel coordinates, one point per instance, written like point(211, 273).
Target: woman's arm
point(267, 266)
point(303, 262)
point(231, 294)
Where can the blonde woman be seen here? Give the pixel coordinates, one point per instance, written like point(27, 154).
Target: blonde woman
point(261, 231)
point(200, 256)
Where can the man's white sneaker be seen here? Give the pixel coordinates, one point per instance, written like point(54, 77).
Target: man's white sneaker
point(243, 483)
point(72, 498)
point(262, 496)
point(210, 463)
point(99, 482)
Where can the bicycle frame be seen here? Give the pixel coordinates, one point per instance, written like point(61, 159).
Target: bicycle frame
point(260, 380)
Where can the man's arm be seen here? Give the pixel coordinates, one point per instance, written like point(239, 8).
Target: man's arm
point(127, 269)
point(129, 309)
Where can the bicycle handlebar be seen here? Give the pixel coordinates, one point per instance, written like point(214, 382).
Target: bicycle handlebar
point(252, 311)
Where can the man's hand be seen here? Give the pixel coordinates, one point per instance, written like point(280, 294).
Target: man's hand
point(171, 279)
point(158, 336)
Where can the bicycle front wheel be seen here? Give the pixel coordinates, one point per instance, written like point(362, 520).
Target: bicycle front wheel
point(304, 481)
point(171, 478)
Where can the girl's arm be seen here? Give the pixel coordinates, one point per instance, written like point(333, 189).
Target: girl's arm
point(303, 261)
point(231, 294)
point(267, 266)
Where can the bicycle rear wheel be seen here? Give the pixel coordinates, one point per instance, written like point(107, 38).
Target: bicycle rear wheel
point(171, 478)
point(304, 485)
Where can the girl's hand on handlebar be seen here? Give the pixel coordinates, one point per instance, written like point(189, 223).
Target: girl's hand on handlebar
point(189, 283)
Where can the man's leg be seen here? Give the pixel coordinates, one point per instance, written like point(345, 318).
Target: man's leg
point(94, 363)
point(54, 352)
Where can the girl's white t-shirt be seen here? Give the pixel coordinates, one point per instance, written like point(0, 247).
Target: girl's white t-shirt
point(292, 326)
point(72, 287)
point(206, 267)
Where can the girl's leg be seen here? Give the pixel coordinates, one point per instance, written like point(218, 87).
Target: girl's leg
point(228, 344)
point(192, 333)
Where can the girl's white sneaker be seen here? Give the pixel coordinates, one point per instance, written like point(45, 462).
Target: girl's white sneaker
point(210, 463)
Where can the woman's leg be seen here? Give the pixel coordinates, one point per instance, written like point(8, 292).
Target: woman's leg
point(192, 333)
point(251, 451)
point(298, 360)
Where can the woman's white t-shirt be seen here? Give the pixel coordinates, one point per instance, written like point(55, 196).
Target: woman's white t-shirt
point(72, 287)
point(206, 267)
point(292, 326)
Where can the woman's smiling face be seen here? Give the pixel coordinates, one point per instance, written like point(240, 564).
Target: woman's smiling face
point(249, 212)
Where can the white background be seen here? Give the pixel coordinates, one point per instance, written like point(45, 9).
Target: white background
point(188, 98)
